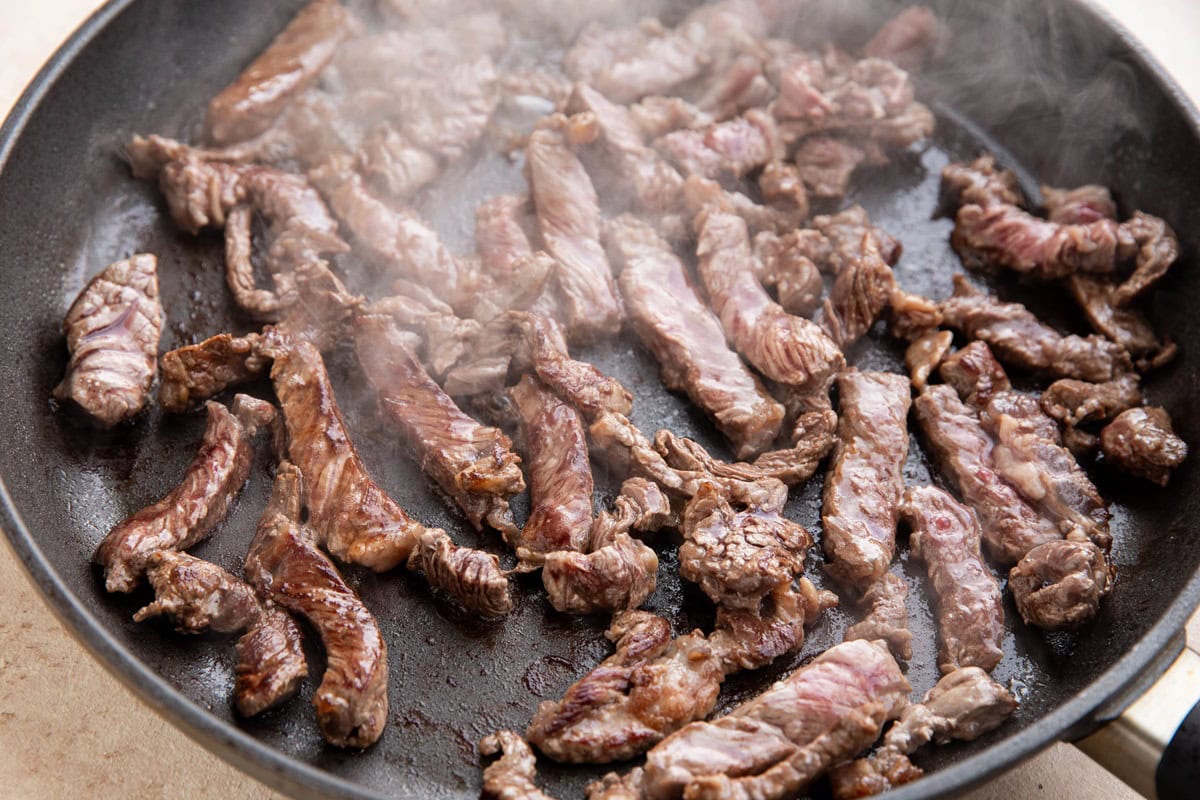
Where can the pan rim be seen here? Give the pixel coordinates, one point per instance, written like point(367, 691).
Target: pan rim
point(1140, 665)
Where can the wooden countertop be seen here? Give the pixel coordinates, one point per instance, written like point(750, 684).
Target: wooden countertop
point(69, 729)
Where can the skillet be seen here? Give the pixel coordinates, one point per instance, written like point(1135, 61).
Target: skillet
point(1056, 90)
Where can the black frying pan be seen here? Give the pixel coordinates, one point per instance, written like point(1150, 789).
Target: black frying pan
point(1055, 89)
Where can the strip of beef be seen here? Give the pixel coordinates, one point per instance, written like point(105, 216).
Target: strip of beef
point(656, 187)
point(789, 349)
point(1059, 585)
point(113, 329)
point(560, 474)
point(511, 776)
point(964, 705)
point(861, 293)
point(731, 148)
point(1081, 205)
point(776, 744)
point(502, 224)
point(292, 61)
point(1073, 402)
point(826, 164)
point(780, 215)
point(783, 191)
point(745, 640)
point(1019, 338)
point(837, 240)
point(472, 463)
point(196, 372)
point(979, 183)
point(351, 515)
point(1127, 326)
point(627, 450)
point(975, 374)
point(651, 686)
point(439, 336)
point(970, 611)
point(925, 354)
point(1142, 442)
point(1030, 456)
point(687, 340)
point(658, 115)
point(789, 272)
point(190, 511)
point(568, 213)
point(886, 615)
point(1010, 237)
point(963, 452)
point(618, 572)
point(1158, 248)
point(199, 596)
point(911, 316)
point(865, 481)
point(909, 39)
point(738, 547)
point(285, 564)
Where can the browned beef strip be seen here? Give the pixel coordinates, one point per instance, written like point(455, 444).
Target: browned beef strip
point(190, 511)
point(1126, 326)
point(650, 687)
point(779, 217)
point(963, 451)
point(975, 374)
point(524, 279)
point(472, 463)
point(285, 564)
point(627, 450)
point(789, 272)
point(739, 549)
point(439, 336)
point(351, 515)
point(1080, 205)
point(509, 777)
point(1029, 455)
point(970, 611)
point(1158, 248)
point(112, 331)
point(568, 213)
point(776, 744)
point(731, 148)
point(782, 189)
point(979, 183)
point(925, 354)
point(746, 640)
point(826, 164)
point(1142, 442)
point(196, 372)
point(197, 595)
point(687, 340)
point(618, 572)
point(1058, 585)
point(861, 293)
point(865, 481)
point(909, 39)
point(911, 316)
point(789, 349)
point(1073, 402)
point(658, 115)
point(560, 474)
point(292, 61)
point(963, 705)
point(1017, 337)
point(1010, 237)
point(838, 240)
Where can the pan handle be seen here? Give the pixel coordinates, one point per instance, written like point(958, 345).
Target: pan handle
point(1154, 745)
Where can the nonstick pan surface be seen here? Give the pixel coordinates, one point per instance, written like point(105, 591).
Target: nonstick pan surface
point(1054, 89)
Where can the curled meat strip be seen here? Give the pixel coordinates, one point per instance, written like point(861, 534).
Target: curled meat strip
point(112, 331)
point(285, 564)
point(472, 463)
point(199, 596)
point(350, 514)
point(190, 511)
point(1142, 442)
point(1058, 585)
point(975, 374)
point(964, 705)
point(687, 340)
point(788, 349)
point(511, 776)
point(292, 61)
point(196, 372)
point(652, 685)
point(970, 612)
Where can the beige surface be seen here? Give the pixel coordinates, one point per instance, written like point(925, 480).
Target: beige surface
point(68, 729)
